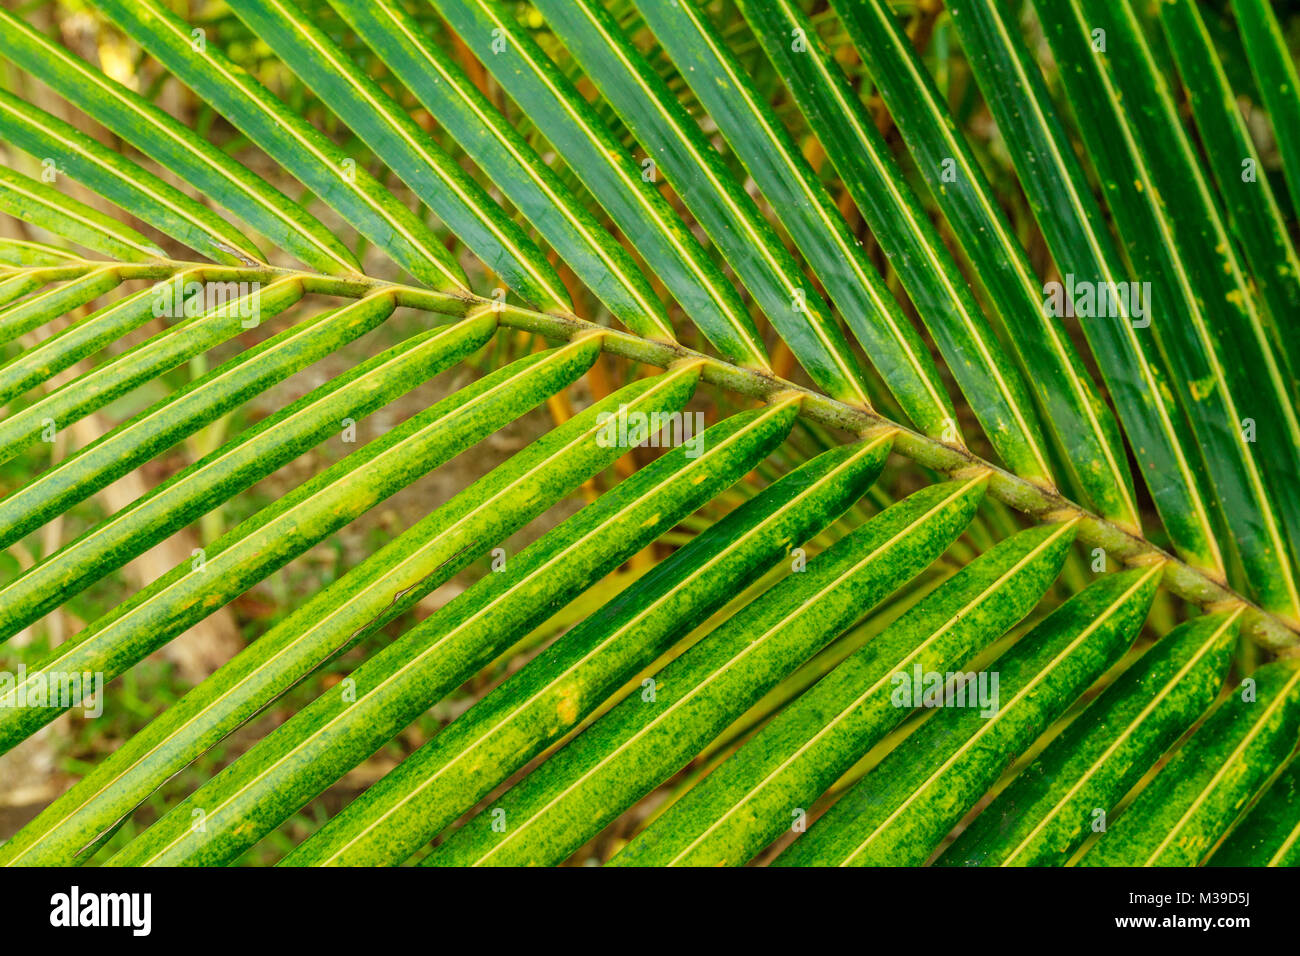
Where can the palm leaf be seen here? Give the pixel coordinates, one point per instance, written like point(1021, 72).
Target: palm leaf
point(631, 215)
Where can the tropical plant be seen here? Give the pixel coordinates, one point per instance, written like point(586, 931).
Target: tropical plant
point(998, 386)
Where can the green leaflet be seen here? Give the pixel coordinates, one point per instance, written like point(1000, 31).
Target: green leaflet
point(1206, 321)
point(20, 252)
point(516, 169)
point(1279, 85)
point(1083, 425)
point(67, 347)
point(164, 351)
point(1253, 213)
point(309, 513)
point(1078, 236)
point(176, 148)
point(1180, 816)
point(15, 287)
point(275, 440)
point(290, 140)
point(549, 697)
point(1047, 812)
point(758, 792)
point(121, 181)
point(901, 810)
point(706, 186)
point(31, 313)
point(434, 176)
point(902, 226)
point(39, 204)
point(384, 586)
point(1270, 833)
point(805, 207)
point(607, 170)
point(649, 735)
point(325, 739)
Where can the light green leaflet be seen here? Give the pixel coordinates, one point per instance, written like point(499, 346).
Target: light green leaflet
point(1279, 84)
point(1253, 213)
point(313, 749)
point(20, 252)
point(1270, 833)
point(549, 697)
point(31, 313)
point(313, 510)
point(1082, 423)
point(902, 809)
point(1208, 326)
point(290, 140)
point(41, 205)
point(384, 586)
point(274, 441)
point(773, 778)
point(1047, 812)
point(1076, 232)
point(164, 351)
point(789, 184)
point(433, 175)
point(65, 150)
point(607, 170)
point(1180, 816)
point(650, 734)
point(489, 139)
point(729, 217)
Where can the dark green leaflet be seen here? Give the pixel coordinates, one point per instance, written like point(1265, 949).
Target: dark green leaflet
point(164, 351)
point(549, 697)
point(805, 207)
point(516, 169)
point(1205, 317)
point(1082, 424)
point(900, 811)
point(116, 178)
point(650, 224)
point(462, 204)
point(874, 180)
point(1253, 213)
point(1077, 234)
point(290, 140)
point(644, 740)
point(39, 204)
point(176, 147)
point(324, 740)
point(313, 510)
point(1180, 816)
point(275, 440)
point(387, 584)
point(749, 800)
point(31, 313)
point(1047, 812)
point(1270, 833)
point(706, 186)
point(1279, 84)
